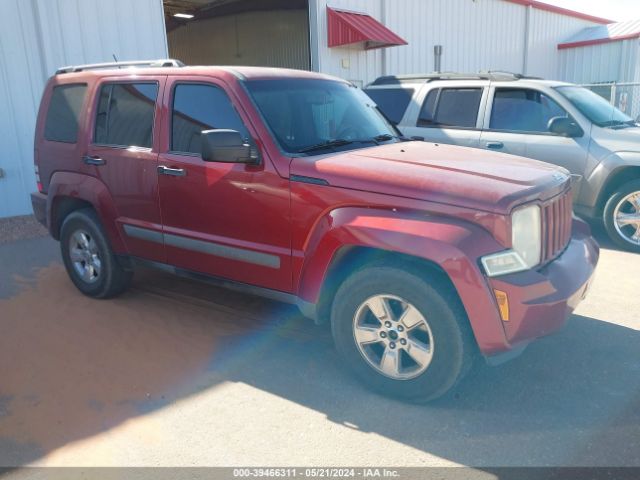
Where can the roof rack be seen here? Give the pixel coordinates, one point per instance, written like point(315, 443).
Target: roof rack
point(167, 62)
point(492, 75)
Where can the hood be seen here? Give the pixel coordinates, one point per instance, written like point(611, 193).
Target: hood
point(622, 140)
point(460, 176)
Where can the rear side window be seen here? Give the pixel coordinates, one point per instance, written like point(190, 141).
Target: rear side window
point(63, 115)
point(393, 102)
point(451, 107)
point(125, 114)
point(197, 108)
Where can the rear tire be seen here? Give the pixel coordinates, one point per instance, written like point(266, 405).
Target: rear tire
point(88, 258)
point(625, 201)
point(415, 364)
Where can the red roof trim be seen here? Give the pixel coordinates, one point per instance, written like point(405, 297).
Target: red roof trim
point(560, 10)
point(598, 41)
point(348, 28)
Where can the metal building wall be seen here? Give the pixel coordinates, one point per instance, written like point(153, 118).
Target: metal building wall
point(36, 37)
point(603, 63)
point(546, 31)
point(475, 35)
point(278, 38)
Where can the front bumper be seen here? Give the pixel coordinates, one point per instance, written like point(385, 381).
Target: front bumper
point(540, 301)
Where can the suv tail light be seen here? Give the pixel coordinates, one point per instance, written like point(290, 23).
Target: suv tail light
point(38, 182)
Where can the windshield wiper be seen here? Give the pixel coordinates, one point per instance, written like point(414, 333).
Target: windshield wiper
point(339, 142)
point(618, 124)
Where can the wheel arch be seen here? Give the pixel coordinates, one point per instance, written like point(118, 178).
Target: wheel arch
point(616, 179)
point(69, 192)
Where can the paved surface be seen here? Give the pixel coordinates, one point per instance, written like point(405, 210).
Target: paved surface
point(178, 373)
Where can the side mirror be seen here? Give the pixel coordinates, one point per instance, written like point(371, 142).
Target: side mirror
point(227, 146)
point(565, 126)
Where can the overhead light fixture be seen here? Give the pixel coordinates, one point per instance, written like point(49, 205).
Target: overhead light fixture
point(187, 16)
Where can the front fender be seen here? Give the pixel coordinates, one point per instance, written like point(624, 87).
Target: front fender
point(89, 189)
point(592, 189)
point(454, 246)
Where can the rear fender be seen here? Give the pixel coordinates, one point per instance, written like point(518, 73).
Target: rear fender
point(452, 245)
point(91, 190)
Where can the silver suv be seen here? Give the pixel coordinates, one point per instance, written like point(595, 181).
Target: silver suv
point(555, 122)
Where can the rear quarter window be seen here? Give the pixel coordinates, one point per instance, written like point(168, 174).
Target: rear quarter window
point(63, 116)
point(393, 102)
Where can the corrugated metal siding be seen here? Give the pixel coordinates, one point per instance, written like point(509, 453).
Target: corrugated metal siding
point(606, 62)
point(278, 38)
point(547, 30)
point(475, 35)
point(36, 37)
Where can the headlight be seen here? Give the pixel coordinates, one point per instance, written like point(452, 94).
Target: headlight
point(526, 240)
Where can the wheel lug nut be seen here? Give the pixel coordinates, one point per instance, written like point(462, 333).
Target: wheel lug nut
point(392, 345)
point(387, 324)
point(403, 341)
point(400, 328)
point(383, 334)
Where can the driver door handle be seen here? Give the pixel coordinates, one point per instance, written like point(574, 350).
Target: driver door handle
point(174, 172)
point(494, 145)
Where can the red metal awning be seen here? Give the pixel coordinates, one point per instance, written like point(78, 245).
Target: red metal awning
point(348, 28)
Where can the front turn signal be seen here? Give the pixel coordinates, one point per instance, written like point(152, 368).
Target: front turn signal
point(503, 304)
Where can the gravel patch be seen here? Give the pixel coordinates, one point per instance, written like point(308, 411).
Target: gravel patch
point(13, 229)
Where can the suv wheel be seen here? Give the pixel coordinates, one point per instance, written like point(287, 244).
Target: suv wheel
point(401, 335)
point(622, 216)
point(88, 257)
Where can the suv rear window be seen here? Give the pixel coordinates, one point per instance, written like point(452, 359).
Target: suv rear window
point(125, 114)
point(393, 102)
point(451, 107)
point(64, 111)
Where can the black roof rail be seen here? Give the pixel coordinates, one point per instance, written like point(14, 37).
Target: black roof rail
point(167, 62)
point(492, 75)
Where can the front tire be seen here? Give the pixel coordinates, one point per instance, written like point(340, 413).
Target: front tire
point(88, 258)
point(622, 216)
point(402, 335)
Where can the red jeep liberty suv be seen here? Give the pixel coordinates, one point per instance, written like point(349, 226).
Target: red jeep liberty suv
point(293, 185)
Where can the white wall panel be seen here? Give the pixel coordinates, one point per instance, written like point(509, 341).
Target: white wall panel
point(603, 63)
point(38, 36)
point(546, 31)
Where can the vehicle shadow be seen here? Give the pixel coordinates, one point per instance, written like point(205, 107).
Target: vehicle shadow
point(72, 367)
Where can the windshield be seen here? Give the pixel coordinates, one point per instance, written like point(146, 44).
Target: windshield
point(310, 115)
point(594, 107)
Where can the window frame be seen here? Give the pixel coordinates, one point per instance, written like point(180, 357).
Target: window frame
point(98, 94)
point(489, 113)
point(172, 97)
point(80, 115)
point(479, 113)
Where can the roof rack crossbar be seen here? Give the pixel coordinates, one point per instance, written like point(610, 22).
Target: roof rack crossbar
point(166, 62)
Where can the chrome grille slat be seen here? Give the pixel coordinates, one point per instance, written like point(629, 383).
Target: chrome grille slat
point(556, 231)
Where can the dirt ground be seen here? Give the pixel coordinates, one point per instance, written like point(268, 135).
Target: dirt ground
point(177, 373)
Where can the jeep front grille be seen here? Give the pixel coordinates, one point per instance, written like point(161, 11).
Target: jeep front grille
point(556, 225)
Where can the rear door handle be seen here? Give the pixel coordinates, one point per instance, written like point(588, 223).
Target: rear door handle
point(97, 161)
point(174, 172)
point(494, 145)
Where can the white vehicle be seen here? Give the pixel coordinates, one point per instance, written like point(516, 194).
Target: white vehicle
point(555, 122)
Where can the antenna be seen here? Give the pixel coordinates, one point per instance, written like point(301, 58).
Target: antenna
point(115, 59)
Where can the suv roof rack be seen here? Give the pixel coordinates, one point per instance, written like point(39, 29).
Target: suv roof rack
point(493, 75)
point(167, 62)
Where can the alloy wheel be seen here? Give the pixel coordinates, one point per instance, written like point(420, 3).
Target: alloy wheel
point(393, 336)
